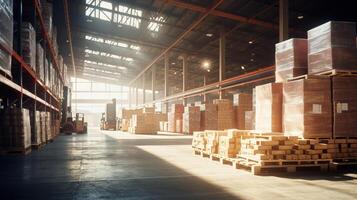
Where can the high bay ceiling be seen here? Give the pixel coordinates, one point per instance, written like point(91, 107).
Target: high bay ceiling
point(113, 41)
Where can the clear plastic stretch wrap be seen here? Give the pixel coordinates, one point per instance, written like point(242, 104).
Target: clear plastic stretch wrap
point(47, 14)
point(46, 72)
point(28, 44)
point(39, 62)
point(332, 46)
point(307, 108)
point(268, 113)
point(345, 106)
point(6, 34)
point(290, 59)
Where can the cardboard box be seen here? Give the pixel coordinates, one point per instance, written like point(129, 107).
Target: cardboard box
point(268, 115)
point(243, 103)
point(290, 59)
point(209, 114)
point(249, 120)
point(307, 108)
point(225, 114)
point(344, 95)
point(191, 119)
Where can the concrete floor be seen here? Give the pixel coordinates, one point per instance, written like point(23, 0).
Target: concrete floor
point(113, 165)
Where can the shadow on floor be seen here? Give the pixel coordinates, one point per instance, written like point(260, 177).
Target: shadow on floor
point(96, 166)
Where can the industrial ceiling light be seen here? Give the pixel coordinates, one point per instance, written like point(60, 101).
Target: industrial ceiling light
point(242, 67)
point(206, 64)
point(209, 34)
point(251, 42)
point(175, 73)
point(300, 17)
point(208, 70)
point(251, 59)
point(173, 63)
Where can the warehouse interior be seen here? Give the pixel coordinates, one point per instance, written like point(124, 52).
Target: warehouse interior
point(178, 99)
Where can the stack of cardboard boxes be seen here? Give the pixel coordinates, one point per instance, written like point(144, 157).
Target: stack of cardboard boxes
point(225, 114)
point(6, 35)
point(174, 118)
point(242, 103)
point(191, 119)
point(209, 115)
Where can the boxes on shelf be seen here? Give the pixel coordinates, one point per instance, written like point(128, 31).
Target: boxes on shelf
point(28, 44)
point(243, 103)
point(48, 131)
point(209, 114)
point(39, 62)
point(47, 14)
point(15, 133)
point(6, 35)
point(307, 108)
point(290, 59)
point(35, 119)
point(225, 114)
point(268, 110)
point(344, 94)
point(191, 119)
point(332, 46)
point(43, 127)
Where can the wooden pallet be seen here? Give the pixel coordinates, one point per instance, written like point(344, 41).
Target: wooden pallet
point(306, 76)
point(201, 153)
point(338, 72)
point(14, 151)
point(281, 162)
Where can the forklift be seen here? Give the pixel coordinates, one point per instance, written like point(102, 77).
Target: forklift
point(71, 124)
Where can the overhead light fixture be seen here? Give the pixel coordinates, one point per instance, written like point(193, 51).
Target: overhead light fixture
point(251, 59)
point(251, 42)
point(208, 70)
point(206, 64)
point(175, 73)
point(173, 63)
point(300, 17)
point(209, 34)
point(242, 67)
point(67, 41)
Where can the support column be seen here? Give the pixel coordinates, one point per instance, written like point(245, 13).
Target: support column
point(222, 60)
point(136, 94)
point(144, 91)
point(184, 75)
point(283, 20)
point(153, 81)
point(166, 77)
point(204, 84)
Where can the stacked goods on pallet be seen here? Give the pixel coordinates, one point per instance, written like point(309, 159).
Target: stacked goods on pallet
point(199, 140)
point(15, 134)
point(225, 114)
point(162, 126)
point(191, 119)
point(43, 127)
point(35, 128)
point(178, 126)
point(110, 115)
point(143, 123)
point(28, 44)
point(344, 95)
point(229, 145)
point(213, 140)
point(6, 35)
point(249, 120)
point(270, 148)
point(48, 133)
point(57, 127)
point(332, 46)
point(242, 103)
point(124, 125)
point(39, 62)
point(307, 108)
point(173, 116)
point(47, 14)
point(268, 114)
point(149, 110)
point(209, 115)
point(341, 148)
point(290, 59)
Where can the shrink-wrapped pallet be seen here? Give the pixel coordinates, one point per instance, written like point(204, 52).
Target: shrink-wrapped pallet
point(307, 108)
point(290, 59)
point(344, 95)
point(269, 107)
point(6, 35)
point(174, 115)
point(332, 46)
point(28, 44)
point(39, 62)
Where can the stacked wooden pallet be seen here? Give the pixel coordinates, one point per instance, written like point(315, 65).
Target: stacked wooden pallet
point(341, 148)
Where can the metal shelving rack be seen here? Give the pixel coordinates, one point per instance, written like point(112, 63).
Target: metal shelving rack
point(24, 89)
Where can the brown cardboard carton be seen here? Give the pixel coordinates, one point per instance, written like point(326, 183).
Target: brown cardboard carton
point(307, 108)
